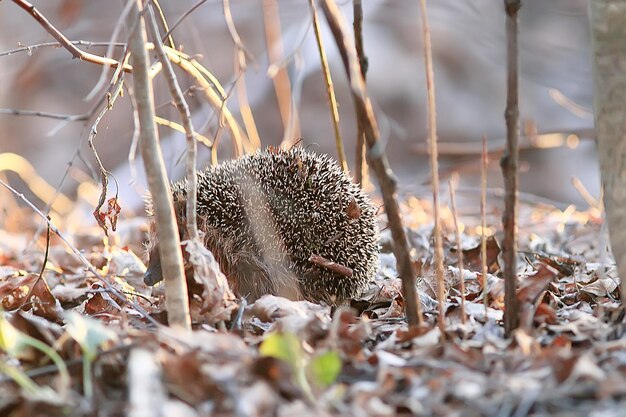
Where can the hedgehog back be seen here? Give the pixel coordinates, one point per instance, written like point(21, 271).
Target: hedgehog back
point(266, 213)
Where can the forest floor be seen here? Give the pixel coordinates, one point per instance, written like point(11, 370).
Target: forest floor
point(71, 347)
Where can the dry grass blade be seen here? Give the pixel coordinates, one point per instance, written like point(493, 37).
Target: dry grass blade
point(330, 90)
point(434, 167)
point(213, 92)
point(179, 128)
point(282, 84)
point(459, 248)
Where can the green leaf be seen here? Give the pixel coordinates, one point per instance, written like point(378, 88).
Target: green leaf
point(90, 334)
point(284, 346)
point(11, 339)
point(324, 368)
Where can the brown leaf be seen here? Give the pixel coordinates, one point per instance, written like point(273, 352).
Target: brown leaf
point(29, 293)
point(353, 210)
point(473, 259)
point(532, 287)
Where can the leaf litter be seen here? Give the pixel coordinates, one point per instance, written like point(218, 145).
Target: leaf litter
point(277, 357)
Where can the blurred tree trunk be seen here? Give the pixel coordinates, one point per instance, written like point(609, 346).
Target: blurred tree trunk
point(608, 23)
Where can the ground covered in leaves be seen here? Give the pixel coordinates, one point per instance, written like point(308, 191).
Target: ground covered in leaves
point(71, 346)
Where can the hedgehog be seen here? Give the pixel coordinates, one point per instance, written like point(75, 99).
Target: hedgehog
point(271, 216)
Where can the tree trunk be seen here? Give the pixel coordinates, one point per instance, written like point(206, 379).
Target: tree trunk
point(608, 23)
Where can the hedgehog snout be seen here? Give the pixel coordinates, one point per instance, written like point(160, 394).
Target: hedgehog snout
point(153, 273)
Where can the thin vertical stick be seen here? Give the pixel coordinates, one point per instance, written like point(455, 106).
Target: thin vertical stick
point(330, 90)
point(459, 248)
point(360, 160)
point(483, 221)
point(434, 167)
point(509, 164)
point(378, 160)
point(185, 116)
point(176, 299)
point(282, 85)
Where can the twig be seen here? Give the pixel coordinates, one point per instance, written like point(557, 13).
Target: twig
point(357, 24)
point(529, 141)
point(333, 266)
point(66, 43)
point(45, 256)
point(185, 116)
point(330, 90)
point(111, 95)
point(274, 67)
point(41, 271)
point(30, 48)
point(230, 24)
point(47, 115)
point(213, 92)
point(168, 36)
point(176, 299)
point(483, 222)
point(182, 17)
point(104, 73)
point(80, 256)
point(434, 167)
point(459, 248)
point(509, 164)
point(134, 141)
point(378, 160)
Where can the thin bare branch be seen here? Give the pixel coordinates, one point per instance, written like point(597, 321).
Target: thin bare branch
point(331, 265)
point(66, 43)
point(104, 73)
point(230, 24)
point(483, 222)
point(377, 158)
point(176, 300)
point(217, 101)
point(47, 115)
point(29, 49)
point(182, 17)
point(360, 167)
point(185, 116)
point(509, 164)
point(112, 95)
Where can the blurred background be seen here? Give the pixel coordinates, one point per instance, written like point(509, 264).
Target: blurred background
point(469, 51)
